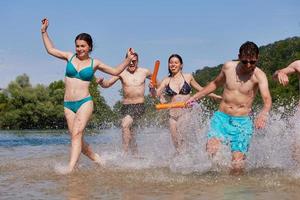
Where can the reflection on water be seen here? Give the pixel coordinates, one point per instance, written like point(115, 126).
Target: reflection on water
point(27, 163)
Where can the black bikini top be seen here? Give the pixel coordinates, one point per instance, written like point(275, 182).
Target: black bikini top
point(186, 89)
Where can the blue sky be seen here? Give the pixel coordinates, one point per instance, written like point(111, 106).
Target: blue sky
point(204, 33)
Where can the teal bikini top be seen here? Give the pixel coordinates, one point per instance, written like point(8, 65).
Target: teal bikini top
point(85, 74)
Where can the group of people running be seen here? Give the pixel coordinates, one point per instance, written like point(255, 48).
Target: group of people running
point(231, 124)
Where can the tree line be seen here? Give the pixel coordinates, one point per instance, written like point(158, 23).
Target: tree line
point(23, 106)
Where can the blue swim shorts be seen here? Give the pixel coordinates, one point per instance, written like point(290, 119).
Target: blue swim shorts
point(234, 130)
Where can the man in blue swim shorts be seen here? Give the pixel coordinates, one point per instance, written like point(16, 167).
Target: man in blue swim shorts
point(231, 124)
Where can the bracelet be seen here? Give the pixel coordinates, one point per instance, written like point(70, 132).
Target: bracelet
point(43, 31)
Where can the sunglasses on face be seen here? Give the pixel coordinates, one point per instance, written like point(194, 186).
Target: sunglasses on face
point(252, 62)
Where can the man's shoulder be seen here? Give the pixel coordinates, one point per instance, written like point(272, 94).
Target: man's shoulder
point(142, 69)
point(259, 74)
point(230, 64)
point(258, 70)
point(123, 74)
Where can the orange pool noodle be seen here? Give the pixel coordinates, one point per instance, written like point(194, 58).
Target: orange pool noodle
point(154, 74)
point(170, 105)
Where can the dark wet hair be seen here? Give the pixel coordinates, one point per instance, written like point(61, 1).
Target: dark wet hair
point(86, 37)
point(249, 49)
point(172, 56)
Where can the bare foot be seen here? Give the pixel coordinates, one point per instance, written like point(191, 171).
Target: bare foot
point(63, 170)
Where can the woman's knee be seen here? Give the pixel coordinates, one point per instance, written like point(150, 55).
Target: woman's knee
point(77, 134)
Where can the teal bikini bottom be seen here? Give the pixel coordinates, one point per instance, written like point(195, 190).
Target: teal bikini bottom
point(75, 105)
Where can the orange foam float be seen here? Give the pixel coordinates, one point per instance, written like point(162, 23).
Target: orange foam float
point(154, 74)
point(170, 105)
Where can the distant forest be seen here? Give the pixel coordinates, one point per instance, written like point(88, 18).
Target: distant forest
point(23, 106)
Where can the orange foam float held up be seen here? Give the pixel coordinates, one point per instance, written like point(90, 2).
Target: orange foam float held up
point(154, 74)
point(170, 105)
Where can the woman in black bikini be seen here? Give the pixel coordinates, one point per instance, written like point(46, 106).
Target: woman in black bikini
point(177, 86)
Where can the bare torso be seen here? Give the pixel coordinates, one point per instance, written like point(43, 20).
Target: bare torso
point(133, 85)
point(239, 90)
point(76, 89)
point(177, 112)
point(176, 84)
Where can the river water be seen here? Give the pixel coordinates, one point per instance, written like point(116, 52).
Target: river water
point(30, 163)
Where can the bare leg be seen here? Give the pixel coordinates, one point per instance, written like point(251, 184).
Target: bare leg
point(76, 123)
point(296, 142)
point(238, 163)
point(70, 117)
point(126, 132)
point(213, 146)
point(133, 144)
point(175, 136)
point(87, 151)
point(296, 152)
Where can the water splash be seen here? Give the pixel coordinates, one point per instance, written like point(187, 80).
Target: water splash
point(270, 147)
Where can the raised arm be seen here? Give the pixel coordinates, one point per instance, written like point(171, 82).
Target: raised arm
point(49, 45)
point(107, 83)
point(119, 68)
point(263, 85)
point(149, 75)
point(159, 91)
point(282, 74)
point(212, 86)
point(198, 87)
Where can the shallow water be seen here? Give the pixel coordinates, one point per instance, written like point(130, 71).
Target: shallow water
point(28, 163)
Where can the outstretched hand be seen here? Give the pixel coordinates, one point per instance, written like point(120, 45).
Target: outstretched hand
point(45, 24)
point(260, 121)
point(282, 78)
point(152, 89)
point(151, 86)
point(99, 80)
point(190, 102)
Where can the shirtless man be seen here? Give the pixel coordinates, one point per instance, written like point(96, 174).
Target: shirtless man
point(133, 85)
point(232, 124)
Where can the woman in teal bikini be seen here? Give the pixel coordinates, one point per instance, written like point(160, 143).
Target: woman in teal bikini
point(78, 104)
